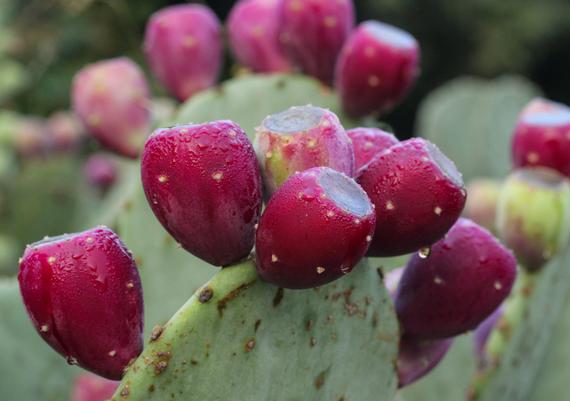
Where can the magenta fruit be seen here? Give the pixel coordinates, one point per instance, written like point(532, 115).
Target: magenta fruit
point(89, 387)
point(312, 33)
point(418, 193)
point(253, 34)
point(203, 184)
point(112, 100)
point(315, 228)
point(183, 45)
point(466, 276)
point(368, 142)
point(417, 358)
point(65, 131)
point(83, 294)
point(100, 172)
point(301, 138)
point(541, 137)
point(376, 68)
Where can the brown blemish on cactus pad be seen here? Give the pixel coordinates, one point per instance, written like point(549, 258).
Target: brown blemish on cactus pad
point(151, 388)
point(278, 297)
point(222, 303)
point(161, 362)
point(257, 323)
point(125, 391)
point(156, 333)
point(205, 295)
point(320, 379)
point(249, 345)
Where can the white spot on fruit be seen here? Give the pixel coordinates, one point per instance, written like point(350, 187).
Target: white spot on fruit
point(532, 157)
point(438, 280)
point(373, 81)
point(189, 41)
point(330, 21)
point(330, 213)
point(232, 133)
point(437, 210)
point(218, 175)
point(368, 238)
point(369, 51)
point(130, 284)
point(357, 221)
point(89, 240)
point(424, 252)
point(51, 260)
point(498, 285)
point(274, 258)
point(389, 205)
point(112, 353)
point(44, 328)
point(94, 120)
point(162, 178)
point(320, 269)
point(368, 145)
point(311, 143)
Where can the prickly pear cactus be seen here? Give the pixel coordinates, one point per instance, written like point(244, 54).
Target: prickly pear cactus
point(272, 344)
point(472, 119)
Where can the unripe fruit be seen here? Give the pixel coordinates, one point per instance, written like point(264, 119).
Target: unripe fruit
point(533, 215)
point(65, 131)
point(368, 142)
point(253, 34)
point(417, 358)
point(84, 297)
point(301, 138)
point(481, 206)
point(541, 136)
point(315, 228)
point(312, 33)
point(112, 100)
point(92, 388)
point(378, 65)
point(183, 45)
point(203, 184)
point(465, 278)
point(100, 172)
point(418, 193)
point(482, 334)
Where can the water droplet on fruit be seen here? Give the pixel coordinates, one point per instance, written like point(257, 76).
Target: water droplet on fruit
point(424, 252)
point(71, 360)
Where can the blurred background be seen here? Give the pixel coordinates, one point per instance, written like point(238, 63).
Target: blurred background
point(44, 42)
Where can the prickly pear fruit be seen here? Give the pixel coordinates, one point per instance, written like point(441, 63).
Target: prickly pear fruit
point(298, 139)
point(368, 142)
point(418, 193)
point(112, 100)
point(378, 65)
point(183, 45)
point(89, 387)
point(482, 333)
point(533, 215)
point(253, 34)
point(541, 137)
point(417, 358)
point(84, 297)
point(65, 131)
point(315, 228)
point(100, 172)
point(312, 33)
point(466, 276)
point(30, 137)
point(203, 184)
point(481, 205)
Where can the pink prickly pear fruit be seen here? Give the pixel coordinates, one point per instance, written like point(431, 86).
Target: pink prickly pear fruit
point(301, 138)
point(533, 215)
point(482, 334)
point(418, 358)
point(65, 131)
point(112, 100)
point(253, 33)
point(377, 66)
point(183, 45)
point(466, 276)
point(418, 193)
point(100, 172)
point(368, 142)
point(89, 387)
point(203, 184)
point(83, 294)
point(481, 205)
point(315, 229)
point(312, 33)
point(541, 137)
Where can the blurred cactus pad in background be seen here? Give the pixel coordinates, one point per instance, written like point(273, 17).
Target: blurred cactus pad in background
point(347, 201)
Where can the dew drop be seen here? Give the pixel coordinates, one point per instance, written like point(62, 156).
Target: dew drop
point(424, 252)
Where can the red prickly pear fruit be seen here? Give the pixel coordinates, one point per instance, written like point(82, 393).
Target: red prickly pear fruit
point(315, 229)
point(466, 276)
point(112, 100)
point(203, 184)
point(65, 131)
point(418, 193)
point(542, 137)
point(417, 358)
point(83, 294)
point(183, 45)
point(89, 387)
point(368, 142)
point(301, 138)
point(100, 172)
point(378, 65)
point(312, 33)
point(482, 334)
point(253, 34)
point(481, 205)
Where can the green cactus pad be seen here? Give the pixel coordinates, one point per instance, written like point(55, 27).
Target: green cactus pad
point(472, 119)
point(239, 338)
